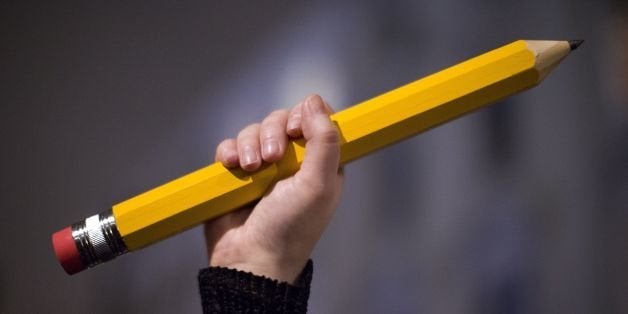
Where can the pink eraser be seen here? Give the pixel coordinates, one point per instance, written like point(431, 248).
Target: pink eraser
point(66, 251)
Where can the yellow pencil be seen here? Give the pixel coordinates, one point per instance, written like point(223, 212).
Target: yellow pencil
point(386, 119)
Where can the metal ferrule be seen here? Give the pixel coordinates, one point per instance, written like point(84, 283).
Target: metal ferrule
point(97, 239)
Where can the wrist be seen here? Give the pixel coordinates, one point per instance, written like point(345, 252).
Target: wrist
point(261, 264)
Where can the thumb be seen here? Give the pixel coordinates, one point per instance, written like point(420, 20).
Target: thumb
point(322, 146)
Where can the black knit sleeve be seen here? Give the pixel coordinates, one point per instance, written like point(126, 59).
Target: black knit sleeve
point(225, 290)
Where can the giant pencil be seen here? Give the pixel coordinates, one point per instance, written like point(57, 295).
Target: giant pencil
point(386, 119)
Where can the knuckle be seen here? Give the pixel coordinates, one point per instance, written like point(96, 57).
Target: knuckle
point(279, 113)
point(295, 112)
point(225, 143)
point(329, 136)
point(275, 117)
point(272, 127)
point(250, 130)
point(269, 133)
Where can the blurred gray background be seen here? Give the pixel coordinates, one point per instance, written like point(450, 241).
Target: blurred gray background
point(519, 208)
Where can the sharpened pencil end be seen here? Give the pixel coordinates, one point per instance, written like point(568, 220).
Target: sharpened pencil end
point(574, 44)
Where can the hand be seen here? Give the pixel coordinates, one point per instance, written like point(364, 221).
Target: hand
point(276, 236)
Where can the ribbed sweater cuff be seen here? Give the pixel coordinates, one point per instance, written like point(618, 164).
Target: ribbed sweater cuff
point(225, 290)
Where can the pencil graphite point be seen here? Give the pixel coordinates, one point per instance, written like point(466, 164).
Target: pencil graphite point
point(574, 44)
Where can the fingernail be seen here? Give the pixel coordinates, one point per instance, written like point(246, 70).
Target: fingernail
point(249, 156)
point(230, 158)
point(271, 147)
point(314, 105)
point(293, 122)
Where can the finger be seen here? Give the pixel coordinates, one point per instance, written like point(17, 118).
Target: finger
point(227, 153)
point(249, 148)
point(293, 127)
point(273, 137)
point(322, 150)
point(327, 107)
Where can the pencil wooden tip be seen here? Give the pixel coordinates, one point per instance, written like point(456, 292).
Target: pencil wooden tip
point(574, 44)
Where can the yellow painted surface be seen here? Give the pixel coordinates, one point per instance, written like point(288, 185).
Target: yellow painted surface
point(375, 123)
